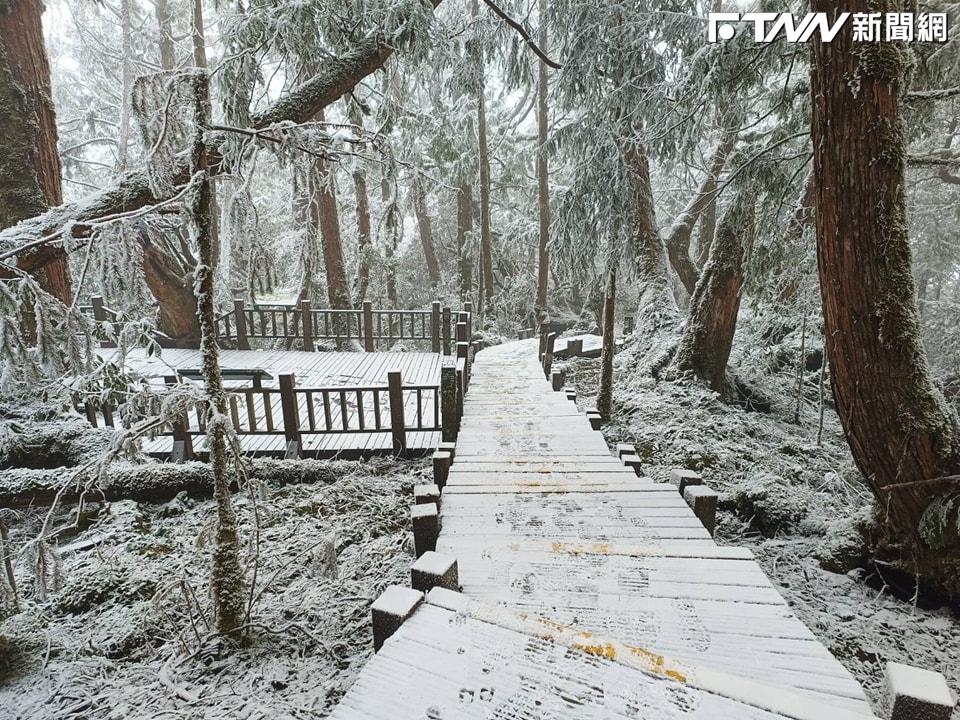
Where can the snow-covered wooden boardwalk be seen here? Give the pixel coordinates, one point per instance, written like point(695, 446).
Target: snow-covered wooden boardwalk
point(331, 370)
point(586, 591)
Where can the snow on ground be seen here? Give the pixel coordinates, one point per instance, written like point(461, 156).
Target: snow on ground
point(120, 639)
point(795, 503)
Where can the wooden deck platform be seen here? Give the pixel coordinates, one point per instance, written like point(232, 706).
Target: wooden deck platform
point(312, 369)
point(587, 592)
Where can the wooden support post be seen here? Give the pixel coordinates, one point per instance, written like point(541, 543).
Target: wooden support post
point(703, 501)
point(450, 447)
point(574, 348)
point(100, 315)
point(463, 353)
point(426, 494)
point(435, 311)
point(426, 527)
point(468, 309)
point(397, 421)
point(571, 395)
point(596, 420)
point(628, 324)
point(107, 415)
point(916, 694)
point(460, 393)
point(543, 346)
point(182, 440)
point(240, 321)
point(390, 610)
point(441, 467)
point(367, 326)
point(632, 461)
point(548, 355)
point(558, 378)
point(682, 477)
point(445, 330)
point(306, 322)
point(625, 449)
point(435, 570)
point(449, 419)
point(291, 415)
point(91, 413)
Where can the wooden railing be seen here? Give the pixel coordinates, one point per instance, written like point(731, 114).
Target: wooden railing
point(367, 327)
point(296, 413)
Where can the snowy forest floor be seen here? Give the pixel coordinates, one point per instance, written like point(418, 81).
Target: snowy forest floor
point(102, 647)
point(111, 643)
point(794, 503)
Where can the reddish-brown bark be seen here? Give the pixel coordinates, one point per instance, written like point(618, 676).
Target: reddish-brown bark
point(901, 432)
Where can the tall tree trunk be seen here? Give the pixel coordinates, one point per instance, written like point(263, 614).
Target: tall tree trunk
point(486, 251)
point(126, 50)
point(227, 582)
point(708, 336)
point(464, 232)
point(707, 227)
point(168, 58)
point(362, 279)
point(324, 193)
point(605, 391)
point(655, 299)
point(902, 433)
point(199, 43)
point(426, 230)
point(173, 290)
point(803, 217)
point(29, 161)
point(543, 178)
point(678, 238)
point(392, 225)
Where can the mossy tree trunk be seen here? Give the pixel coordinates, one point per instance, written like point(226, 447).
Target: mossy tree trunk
point(608, 349)
point(361, 280)
point(227, 583)
point(419, 195)
point(653, 281)
point(708, 336)
point(486, 240)
point(464, 232)
point(543, 176)
point(903, 435)
point(323, 196)
point(30, 179)
point(678, 237)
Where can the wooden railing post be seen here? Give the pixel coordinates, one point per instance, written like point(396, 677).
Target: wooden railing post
point(395, 388)
point(463, 346)
point(240, 320)
point(182, 440)
point(628, 325)
point(450, 420)
point(543, 345)
point(291, 415)
point(435, 327)
point(445, 326)
point(100, 316)
point(468, 309)
point(368, 326)
point(548, 355)
point(306, 322)
point(463, 353)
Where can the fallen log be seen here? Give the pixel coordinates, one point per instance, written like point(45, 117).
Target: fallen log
point(157, 482)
